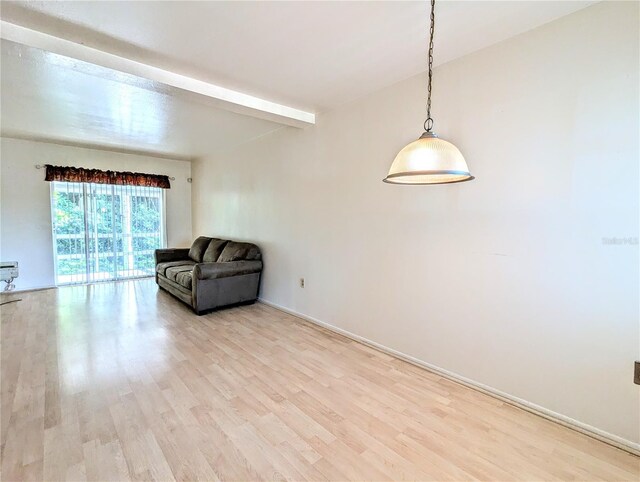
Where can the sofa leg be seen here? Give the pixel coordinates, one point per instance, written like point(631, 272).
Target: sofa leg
point(199, 312)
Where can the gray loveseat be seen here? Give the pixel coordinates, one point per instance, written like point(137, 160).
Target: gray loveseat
point(212, 273)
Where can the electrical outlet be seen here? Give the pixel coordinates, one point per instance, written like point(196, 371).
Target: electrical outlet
point(636, 373)
point(301, 282)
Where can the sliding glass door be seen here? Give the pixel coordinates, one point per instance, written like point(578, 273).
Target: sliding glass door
point(105, 232)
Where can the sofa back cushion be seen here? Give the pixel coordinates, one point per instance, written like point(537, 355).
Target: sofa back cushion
point(198, 248)
point(235, 251)
point(214, 250)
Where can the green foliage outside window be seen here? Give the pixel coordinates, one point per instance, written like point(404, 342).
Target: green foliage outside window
point(105, 227)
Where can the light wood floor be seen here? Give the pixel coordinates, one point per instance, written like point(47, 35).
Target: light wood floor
point(119, 381)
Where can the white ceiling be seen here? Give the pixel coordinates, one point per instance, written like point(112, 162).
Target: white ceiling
point(309, 55)
point(48, 97)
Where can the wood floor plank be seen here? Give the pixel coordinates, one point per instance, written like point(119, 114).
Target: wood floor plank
point(120, 381)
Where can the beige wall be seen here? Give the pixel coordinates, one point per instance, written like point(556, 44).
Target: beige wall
point(505, 280)
point(25, 211)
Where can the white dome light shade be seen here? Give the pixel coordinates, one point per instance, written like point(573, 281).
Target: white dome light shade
point(429, 160)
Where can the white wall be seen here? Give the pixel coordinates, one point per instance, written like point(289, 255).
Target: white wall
point(504, 280)
point(25, 212)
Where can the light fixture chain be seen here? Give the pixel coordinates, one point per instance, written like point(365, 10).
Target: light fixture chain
point(428, 124)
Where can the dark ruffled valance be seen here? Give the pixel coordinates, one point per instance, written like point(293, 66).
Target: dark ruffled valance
point(80, 174)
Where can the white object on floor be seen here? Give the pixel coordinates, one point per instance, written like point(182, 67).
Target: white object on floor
point(8, 272)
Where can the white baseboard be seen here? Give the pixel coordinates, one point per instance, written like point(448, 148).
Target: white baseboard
point(27, 290)
point(71, 285)
point(611, 439)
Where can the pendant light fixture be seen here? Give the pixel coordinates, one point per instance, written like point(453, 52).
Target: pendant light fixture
point(429, 160)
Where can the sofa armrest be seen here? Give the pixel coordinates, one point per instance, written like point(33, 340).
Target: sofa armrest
point(204, 271)
point(171, 254)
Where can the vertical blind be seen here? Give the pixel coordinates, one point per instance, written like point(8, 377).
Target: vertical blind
point(105, 232)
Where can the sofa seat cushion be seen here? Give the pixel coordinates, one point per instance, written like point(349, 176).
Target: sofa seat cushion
point(214, 250)
point(173, 272)
point(198, 248)
point(185, 279)
point(175, 289)
point(235, 251)
point(161, 268)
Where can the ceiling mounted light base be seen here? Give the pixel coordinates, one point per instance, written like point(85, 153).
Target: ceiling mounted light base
point(428, 160)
